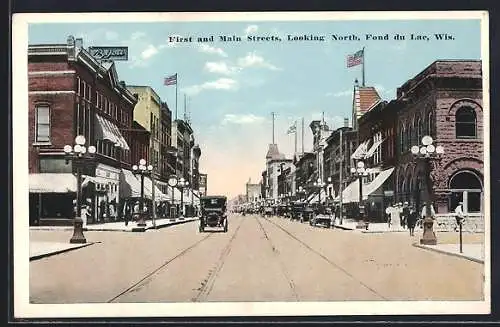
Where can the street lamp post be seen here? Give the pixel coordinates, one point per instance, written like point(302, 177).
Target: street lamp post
point(143, 171)
point(425, 152)
point(360, 172)
point(172, 182)
point(78, 154)
point(181, 185)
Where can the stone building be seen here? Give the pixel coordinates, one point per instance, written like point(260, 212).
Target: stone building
point(252, 192)
point(275, 162)
point(70, 93)
point(445, 102)
point(305, 167)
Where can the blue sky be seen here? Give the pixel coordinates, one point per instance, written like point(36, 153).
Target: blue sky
point(232, 87)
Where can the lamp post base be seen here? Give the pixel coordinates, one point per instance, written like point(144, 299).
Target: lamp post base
point(428, 237)
point(78, 237)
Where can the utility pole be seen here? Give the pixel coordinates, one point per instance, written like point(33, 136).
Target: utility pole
point(340, 173)
point(302, 138)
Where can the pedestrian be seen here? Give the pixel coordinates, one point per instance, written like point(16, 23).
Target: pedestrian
point(405, 214)
point(412, 220)
point(136, 211)
point(423, 214)
point(396, 216)
point(128, 213)
point(388, 214)
point(84, 213)
point(459, 215)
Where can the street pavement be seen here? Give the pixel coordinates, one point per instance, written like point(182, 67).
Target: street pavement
point(259, 259)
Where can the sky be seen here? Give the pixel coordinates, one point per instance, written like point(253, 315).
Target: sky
point(232, 87)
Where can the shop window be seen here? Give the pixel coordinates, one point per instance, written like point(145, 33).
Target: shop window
point(465, 123)
point(42, 124)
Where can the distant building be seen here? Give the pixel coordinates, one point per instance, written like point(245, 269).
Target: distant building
point(275, 162)
point(253, 191)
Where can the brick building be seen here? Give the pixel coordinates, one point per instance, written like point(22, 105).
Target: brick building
point(275, 162)
point(70, 93)
point(445, 102)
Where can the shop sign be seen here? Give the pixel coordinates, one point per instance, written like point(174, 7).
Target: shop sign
point(109, 53)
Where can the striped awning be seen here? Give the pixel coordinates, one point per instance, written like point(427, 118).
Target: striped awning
point(107, 130)
point(52, 183)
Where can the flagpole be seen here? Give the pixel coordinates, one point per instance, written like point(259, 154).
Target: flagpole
point(176, 94)
point(363, 68)
point(295, 138)
point(302, 138)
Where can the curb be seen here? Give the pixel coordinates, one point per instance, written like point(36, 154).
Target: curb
point(343, 227)
point(458, 255)
point(104, 229)
point(44, 255)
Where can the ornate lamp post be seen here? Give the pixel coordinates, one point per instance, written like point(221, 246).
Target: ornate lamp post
point(78, 154)
point(425, 152)
point(360, 172)
point(172, 182)
point(182, 183)
point(142, 170)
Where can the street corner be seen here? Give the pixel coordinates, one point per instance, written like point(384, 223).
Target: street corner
point(472, 252)
point(42, 249)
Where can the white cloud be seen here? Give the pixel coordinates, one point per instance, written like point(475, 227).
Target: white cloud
point(340, 93)
point(137, 35)
point(150, 51)
point(251, 29)
point(219, 84)
point(220, 68)
point(241, 119)
point(254, 60)
point(205, 48)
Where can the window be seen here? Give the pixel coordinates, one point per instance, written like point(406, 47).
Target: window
point(42, 124)
point(402, 138)
point(430, 124)
point(465, 123)
point(420, 129)
point(83, 89)
point(78, 85)
point(89, 92)
point(97, 99)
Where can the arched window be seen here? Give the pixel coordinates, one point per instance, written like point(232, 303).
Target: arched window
point(402, 135)
point(420, 130)
point(408, 139)
point(472, 183)
point(465, 123)
point(430, 124)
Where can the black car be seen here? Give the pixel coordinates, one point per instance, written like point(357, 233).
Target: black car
point(213, 212)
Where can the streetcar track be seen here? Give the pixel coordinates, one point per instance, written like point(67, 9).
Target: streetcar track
point(138, 285)
point(282, 265)
point(332, 263)
point(208, 283)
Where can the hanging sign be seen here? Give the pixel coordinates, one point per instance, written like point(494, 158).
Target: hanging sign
point(109, 53)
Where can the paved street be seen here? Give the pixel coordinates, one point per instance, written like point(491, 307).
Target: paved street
point(259, 259)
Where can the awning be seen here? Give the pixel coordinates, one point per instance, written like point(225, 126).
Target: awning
point(315, 199)
point(360, 151)
point(373, 148)
point(378, 181)
point(159, 196)
point(107, 130)
point(351, 192)
point(52, 183)
point(131, 185)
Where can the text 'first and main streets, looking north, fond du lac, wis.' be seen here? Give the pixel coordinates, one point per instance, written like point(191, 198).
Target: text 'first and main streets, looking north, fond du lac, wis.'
point(314, 38)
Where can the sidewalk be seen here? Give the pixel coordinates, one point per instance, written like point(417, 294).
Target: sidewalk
point(349, 224)
point(40, 250)
point(473, 252)
point(120, 226)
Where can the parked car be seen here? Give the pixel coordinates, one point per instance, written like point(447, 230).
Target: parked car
point(213, 212)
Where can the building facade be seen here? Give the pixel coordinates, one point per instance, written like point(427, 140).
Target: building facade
point(444, 101)
point(275, 162)
point(70, 94)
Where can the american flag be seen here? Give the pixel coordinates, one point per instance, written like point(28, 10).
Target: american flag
point(171, 80)
point(355, 59)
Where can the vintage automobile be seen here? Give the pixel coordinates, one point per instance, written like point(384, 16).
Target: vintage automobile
point(322, 216)
point(213, 212)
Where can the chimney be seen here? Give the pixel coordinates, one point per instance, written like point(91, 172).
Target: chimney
point(346, 122)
